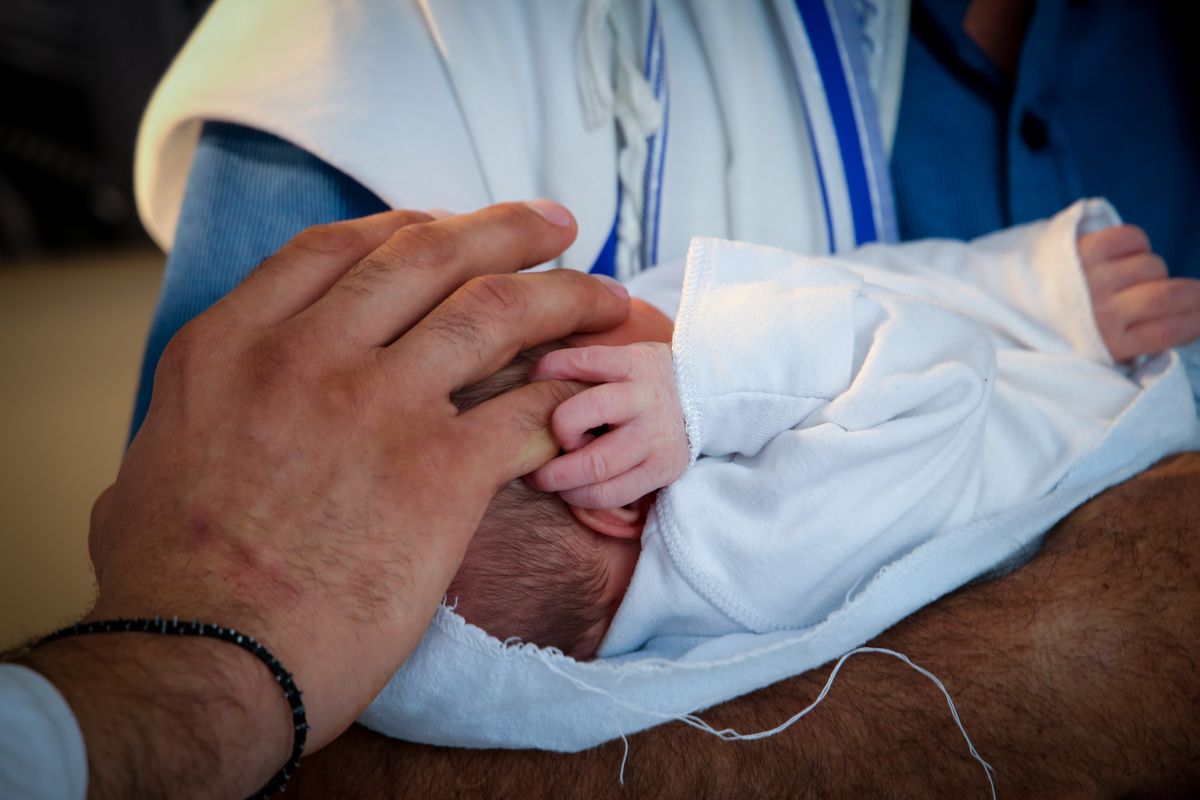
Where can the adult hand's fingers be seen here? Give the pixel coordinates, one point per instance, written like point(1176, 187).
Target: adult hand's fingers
point(1117, 276)
point(607, 456)
point(510, 434)
point(1111, 244)
point(300, 273)
point(1148, 301)
point(416, 268)
point(607, 404)
point(595, 364)
point(492, 318)
point(615, 492)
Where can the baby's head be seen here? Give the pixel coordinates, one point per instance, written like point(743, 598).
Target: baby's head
point(539, 569)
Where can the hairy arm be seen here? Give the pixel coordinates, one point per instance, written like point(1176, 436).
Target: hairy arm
point(1076, 676)
point(168, 717)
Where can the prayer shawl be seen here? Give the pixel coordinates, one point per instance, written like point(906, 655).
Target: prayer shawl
point(457, 104)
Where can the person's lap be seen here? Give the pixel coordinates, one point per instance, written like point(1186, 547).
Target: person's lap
point(1075, 675)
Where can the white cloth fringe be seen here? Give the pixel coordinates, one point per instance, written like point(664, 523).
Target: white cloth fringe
point(612, 85)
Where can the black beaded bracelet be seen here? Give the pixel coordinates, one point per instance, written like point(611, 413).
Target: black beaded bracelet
point(248, 643)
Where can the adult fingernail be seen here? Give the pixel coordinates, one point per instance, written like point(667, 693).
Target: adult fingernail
point(540, 448)
point(439, 213)
point(552, 212)
point(613, 285)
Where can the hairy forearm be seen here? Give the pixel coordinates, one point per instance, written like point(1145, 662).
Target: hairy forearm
point(167, 716)
point(1076, 676)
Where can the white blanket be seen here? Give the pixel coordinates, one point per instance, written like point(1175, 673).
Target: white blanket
point(965, 478)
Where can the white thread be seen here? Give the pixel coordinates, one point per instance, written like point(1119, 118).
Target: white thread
point(853, 586)
point(728, 734)
point(624, 758)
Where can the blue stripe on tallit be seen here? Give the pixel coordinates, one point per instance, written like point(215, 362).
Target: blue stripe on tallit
point(823, 40)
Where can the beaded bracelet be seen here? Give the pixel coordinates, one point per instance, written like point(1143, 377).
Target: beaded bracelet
point(248, 643)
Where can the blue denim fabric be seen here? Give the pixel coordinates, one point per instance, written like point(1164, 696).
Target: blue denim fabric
point(1102, 104)
point(248, 193)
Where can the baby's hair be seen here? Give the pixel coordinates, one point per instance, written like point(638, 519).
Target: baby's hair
point(532, 571)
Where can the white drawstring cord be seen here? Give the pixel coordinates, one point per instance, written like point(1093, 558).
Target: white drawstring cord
point(595, 85)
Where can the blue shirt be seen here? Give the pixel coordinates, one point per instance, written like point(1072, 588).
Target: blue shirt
point(1102, 103)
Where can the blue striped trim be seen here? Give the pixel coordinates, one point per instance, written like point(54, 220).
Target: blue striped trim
point(652, 35)
point(662, 160)
point(819, 27)
point(652, 181)
point(656, 74)
point(851, 35)
point(606, 262)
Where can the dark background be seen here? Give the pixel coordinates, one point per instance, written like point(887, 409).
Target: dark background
point(75, 76)
point(78, 280)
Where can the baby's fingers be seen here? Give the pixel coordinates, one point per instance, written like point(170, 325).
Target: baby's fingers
point(1112, 244)
point(1111, 277)
point(619, 491)
point(1157, 335)
point(607, 456)
point(1157, 300)
point(606, 404)
point(1156, 316)
point(595, 364)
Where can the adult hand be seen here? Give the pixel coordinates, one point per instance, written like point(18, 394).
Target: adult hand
point(303, 476)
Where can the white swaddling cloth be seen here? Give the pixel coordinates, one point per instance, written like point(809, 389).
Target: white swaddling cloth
point(1026, 421)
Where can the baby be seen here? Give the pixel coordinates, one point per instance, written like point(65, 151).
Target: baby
point(555, 553)
point(538, 569)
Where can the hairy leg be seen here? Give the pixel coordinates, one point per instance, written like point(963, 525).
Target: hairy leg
point(1077, 676)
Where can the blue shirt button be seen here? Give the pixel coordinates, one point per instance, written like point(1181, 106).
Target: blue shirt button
point(1034, 132)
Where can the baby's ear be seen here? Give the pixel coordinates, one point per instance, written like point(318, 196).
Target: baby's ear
point(625, 522)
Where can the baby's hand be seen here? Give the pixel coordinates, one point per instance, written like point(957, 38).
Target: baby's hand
point(645, 446)
point(1139, 310)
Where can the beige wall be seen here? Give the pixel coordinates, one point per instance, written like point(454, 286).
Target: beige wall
point(71, 338)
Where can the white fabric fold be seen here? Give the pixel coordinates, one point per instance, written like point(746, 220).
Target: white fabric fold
point(848, 412)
